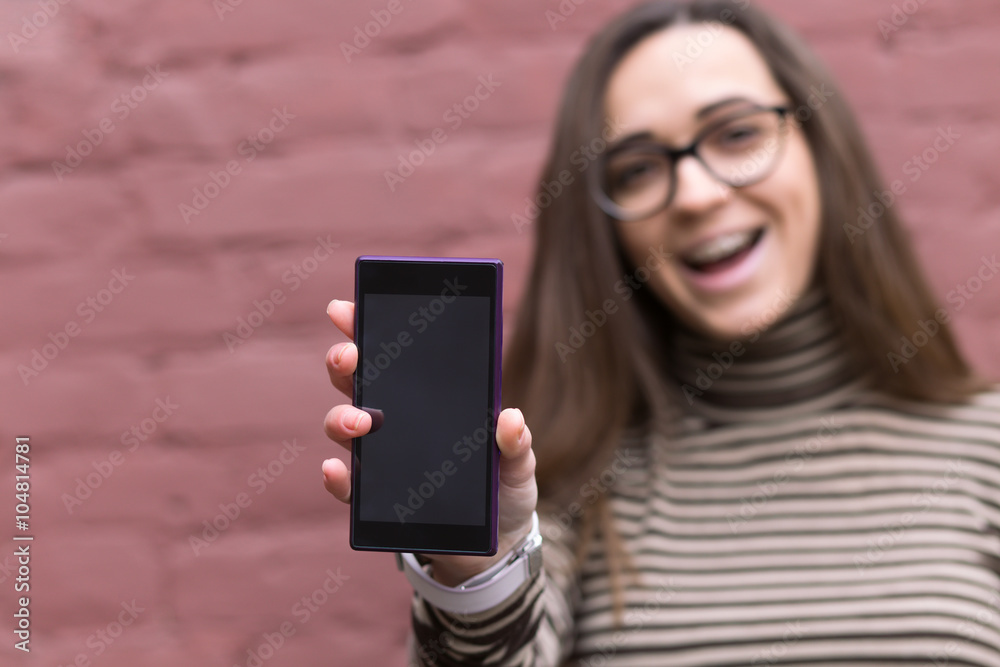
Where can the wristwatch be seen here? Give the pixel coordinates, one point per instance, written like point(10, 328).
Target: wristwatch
point(484, 590)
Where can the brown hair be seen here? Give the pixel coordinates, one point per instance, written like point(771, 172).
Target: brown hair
point(579, 405)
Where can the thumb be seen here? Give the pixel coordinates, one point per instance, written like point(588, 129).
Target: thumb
point(517, 464)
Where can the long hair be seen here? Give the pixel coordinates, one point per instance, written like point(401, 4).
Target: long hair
point(583, 387)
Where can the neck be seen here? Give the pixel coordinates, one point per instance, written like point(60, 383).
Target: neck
point(797, 366)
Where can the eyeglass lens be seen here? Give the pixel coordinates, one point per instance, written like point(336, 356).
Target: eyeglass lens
point(738, 151)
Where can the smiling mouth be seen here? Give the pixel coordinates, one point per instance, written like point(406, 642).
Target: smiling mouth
point(722, 252)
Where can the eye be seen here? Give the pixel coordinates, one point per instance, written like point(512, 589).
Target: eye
point(743, 133)
point(738, 134)
point(634, 171)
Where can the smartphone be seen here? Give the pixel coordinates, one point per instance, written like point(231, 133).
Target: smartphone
point(428, 332)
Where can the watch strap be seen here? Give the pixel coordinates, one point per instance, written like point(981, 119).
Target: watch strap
point(482, 591)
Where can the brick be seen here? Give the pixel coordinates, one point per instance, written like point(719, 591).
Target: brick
point(120, 567)
point(861, 74)
point(78, 316)
point(69, 388)
point(451, 93)
point(182, 304)
point(955, 185)
point(268, 482)
point(579, 20)
point(316, 191)
point(295, 562)
point(824, 17)
point(180, 486)
point(516, 169)
point(38, 227)
point(386, 643)
point(141, 34)
point(148, 645)
point(416, 26)
point(938, 74)
point(55, 102)
point(268, 388)
point(226, 110)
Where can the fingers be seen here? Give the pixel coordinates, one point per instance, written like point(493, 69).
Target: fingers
point(346, 422)
point(342, 358)
point(337, 479)
point(342, 314)
point(517, 467)
point(341, 361)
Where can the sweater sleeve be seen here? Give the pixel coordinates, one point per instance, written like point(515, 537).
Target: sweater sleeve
point(532, 628)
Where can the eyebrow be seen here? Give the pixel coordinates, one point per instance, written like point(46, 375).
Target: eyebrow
point(721, 104)
point(704, 112)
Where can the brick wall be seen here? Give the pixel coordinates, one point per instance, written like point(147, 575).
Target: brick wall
point(218, 154)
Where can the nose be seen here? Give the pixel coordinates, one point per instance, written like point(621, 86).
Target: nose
point(698, 190)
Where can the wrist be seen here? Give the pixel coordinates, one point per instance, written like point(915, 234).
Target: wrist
point(451, 573)
point(486, 589)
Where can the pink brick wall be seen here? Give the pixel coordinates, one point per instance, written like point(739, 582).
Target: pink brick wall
point(202, 78)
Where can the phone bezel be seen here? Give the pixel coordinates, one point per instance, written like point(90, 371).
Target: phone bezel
point(425, 275)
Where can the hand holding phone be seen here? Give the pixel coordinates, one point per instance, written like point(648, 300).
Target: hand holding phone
point(517, 489)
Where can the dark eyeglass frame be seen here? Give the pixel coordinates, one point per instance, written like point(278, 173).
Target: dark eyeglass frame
point(675, 155)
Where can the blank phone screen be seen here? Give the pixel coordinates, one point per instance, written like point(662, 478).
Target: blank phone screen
point(428, 364)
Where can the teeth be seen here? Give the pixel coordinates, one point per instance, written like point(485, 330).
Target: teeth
point(720, 248)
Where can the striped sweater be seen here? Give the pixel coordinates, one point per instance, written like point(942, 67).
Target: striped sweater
point(789, 516)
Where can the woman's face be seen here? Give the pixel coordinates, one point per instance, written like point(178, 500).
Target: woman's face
point(738, 257)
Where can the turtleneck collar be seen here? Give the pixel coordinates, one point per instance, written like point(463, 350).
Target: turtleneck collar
point(799, 365)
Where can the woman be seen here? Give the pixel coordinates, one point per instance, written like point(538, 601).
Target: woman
point(756, 439)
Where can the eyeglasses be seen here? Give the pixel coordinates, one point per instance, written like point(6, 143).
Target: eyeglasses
point(637, 180)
